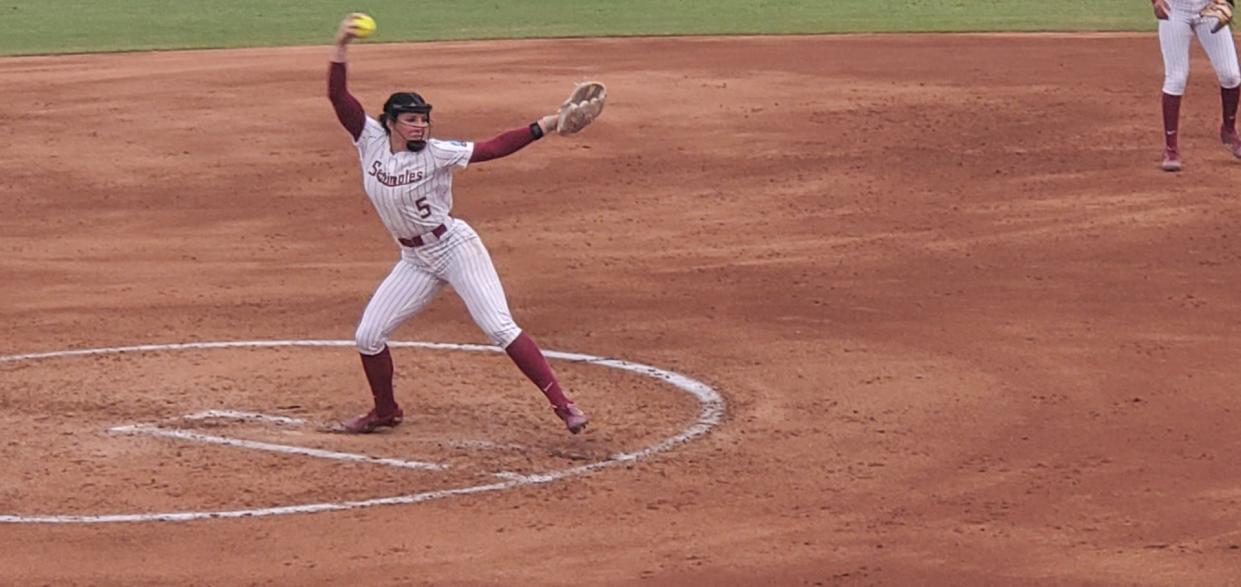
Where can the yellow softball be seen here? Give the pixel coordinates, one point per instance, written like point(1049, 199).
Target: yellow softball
point(364, 24)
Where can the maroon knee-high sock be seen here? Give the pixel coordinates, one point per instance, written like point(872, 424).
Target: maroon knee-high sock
point(1171, 119)
point(1229, 96)
point(379, 374)
point(526, 354)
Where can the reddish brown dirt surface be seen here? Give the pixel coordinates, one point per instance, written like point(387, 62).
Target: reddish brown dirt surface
point(968, 333)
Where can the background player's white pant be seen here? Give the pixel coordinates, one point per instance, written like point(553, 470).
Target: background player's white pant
point(458, 258)
point(1175, 35)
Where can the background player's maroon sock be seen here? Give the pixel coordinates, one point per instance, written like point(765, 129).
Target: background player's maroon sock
point(379, 374)
point(1228, 96)
point(530, 360)
point(1171, 119)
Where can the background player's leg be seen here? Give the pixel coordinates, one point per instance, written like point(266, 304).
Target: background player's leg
point(474, 277)
point(401, 295)
point(1228, 99)
point(1174, 39)
point(1222, 51)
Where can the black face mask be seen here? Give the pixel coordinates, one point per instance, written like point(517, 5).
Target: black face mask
point(414, 146)
point(406, 102)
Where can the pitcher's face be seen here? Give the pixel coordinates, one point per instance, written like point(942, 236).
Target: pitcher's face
point(412, 126)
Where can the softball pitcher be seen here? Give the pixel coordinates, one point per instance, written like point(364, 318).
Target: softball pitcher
point(1179, 22)
point(408, 178)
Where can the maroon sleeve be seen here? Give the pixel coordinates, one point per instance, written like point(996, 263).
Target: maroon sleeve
point(348, 110)
point(506, 143)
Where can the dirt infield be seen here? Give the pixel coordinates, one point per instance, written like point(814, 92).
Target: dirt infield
point(967, 332)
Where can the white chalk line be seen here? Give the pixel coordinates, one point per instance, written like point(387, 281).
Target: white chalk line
point(236, 415)
point(270, 447)
point(289, 421)
point(473, 444)
point(710, 414)
point(181, 434)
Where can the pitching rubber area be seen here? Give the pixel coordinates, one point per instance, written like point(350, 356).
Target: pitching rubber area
point(711, 411)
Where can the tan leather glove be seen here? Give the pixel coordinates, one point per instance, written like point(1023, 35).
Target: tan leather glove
point(1221, 10)
point(582, 107)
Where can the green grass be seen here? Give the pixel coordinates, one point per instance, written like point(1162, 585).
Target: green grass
point(62, 26)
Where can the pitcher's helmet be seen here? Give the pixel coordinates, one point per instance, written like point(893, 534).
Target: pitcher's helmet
point(400, 103)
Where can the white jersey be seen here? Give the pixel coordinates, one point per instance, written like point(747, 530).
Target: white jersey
point(411, 192)
point(1188, 5)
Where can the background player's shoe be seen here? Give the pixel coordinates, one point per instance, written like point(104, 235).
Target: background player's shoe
point(1171, 159)
point(372, 421)
point(573, 418)
point(1232, 141)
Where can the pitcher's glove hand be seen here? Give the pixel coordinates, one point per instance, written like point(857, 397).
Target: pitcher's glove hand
point(581, 108)
point(1221, 10)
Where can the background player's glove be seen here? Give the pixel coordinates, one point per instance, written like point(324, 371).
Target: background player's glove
point(1221, 10)
point(582, 107)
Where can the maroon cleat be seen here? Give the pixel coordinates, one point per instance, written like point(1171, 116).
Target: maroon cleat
point(573, 418)
point(1231, 140)
point(1171, 159)
point(372, 421)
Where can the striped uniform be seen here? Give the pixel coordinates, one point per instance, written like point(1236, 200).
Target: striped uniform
point(1175, 35)
point(410, 187)
point(412, 194)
